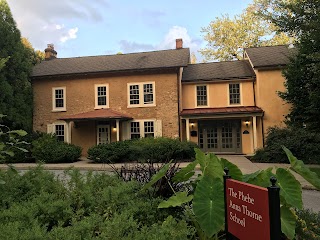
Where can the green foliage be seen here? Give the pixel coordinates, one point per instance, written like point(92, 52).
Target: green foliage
point(37, 205)
point(15, 85)
point(142, 150)
point(303, 143)
point(227, 37)
point(49, 150)
point(308, 225)
point(206, 210)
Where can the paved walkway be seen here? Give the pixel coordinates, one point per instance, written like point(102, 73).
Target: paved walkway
point(245, 165)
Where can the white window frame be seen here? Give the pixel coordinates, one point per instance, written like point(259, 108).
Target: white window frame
point(240, 92)
point(51, 129)
point(196, 96)
point(59, 109)
point(141, 95)
point(157, 127)
point(109, 133)
point(96, 106)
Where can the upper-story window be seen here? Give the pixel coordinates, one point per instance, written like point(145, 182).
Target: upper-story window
point(59, 99)
point(234, 93)
point(202, 96)
point(101, 95)
point(141, 94)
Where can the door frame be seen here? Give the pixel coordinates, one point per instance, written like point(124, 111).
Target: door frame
point(107, 126)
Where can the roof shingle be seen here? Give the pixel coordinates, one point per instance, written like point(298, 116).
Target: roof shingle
point(218, 71)
point(110, 63)
point(270, 56)
point(223, 110)
point(97, 114)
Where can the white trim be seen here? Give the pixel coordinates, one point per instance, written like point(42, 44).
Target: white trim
point(59, 109)
point(196, 96)
point(51, 129)
point(241, 95)
point(255, 140)
point(157, 127)
point(141, 95)
point(118, 129)
point(96, 106)
point(103, 126)
point(188, 129)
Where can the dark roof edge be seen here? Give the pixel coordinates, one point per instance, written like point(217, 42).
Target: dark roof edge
point(103, 72)
point(247, 78)
point(270, 67)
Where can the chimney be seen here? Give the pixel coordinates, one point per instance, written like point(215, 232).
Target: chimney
point(50, 53)
point(179, 43)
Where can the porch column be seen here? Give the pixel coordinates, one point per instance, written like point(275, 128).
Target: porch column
point(255, 140)
point(69, 127)
point(187, 129)
point(118, 130)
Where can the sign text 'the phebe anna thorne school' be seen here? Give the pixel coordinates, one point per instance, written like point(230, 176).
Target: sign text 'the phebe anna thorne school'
point(247, 211)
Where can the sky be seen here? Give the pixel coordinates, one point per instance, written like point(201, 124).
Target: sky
point(104, 27)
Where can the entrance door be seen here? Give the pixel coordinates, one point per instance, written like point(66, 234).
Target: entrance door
point(103, 134)
point(220, 136)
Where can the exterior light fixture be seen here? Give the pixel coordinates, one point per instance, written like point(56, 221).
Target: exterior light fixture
point(192, 125)
point(247, 122)
point(114, 129)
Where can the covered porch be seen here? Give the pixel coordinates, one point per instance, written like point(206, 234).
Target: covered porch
point(230, 130)
point(101, 126)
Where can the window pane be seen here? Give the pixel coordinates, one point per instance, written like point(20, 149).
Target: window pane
point(59, 98)
point(134, 94)
point(135, 130)
point(59, 131)
point(102, 95)
point(202, 96)
point(234, 93)
point(148, 93)
point(103, 135)
point(148, 129)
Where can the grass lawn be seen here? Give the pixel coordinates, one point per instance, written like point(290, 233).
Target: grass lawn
point(316, 170)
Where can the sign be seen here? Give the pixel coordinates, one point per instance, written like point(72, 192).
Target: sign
point(247, 209)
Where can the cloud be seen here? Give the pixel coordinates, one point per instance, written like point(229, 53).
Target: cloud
point(71, 34)
point(45, 22)
point(129, 47)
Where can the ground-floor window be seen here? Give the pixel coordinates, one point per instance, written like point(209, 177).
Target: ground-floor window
point(145, 128)
point(60, 131)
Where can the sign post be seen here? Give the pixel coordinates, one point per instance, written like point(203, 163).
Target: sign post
point(251, 212)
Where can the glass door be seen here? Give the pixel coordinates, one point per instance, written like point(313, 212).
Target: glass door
point(103, 134)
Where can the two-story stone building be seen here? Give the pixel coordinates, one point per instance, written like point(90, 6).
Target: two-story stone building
point(225, 107)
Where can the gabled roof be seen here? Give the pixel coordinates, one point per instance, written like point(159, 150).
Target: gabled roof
point(269, 56)
point(112, 63)
point(218, 71)
point(97, 114)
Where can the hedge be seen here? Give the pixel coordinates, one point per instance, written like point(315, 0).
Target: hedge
point(305, 145)
point(50, 150)
point(142, 150)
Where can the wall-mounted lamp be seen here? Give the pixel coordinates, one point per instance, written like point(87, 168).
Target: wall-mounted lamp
point(114, 129)
point(192, 125)
point(247, 122)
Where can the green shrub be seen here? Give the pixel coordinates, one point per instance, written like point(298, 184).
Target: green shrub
point(308, 225)
point(21, 156)
point(49, 150)
point(37, 205)
point(143, 150)
point(304, 144)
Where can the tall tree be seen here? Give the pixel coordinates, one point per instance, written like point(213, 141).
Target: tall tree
point(227, 37)
point(15, 86)
point(301, 18)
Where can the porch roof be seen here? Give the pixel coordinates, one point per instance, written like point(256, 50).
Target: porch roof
point(98, 114)
point(222, 111)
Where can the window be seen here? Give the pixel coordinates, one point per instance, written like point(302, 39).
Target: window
point(145, 128)
point(135, 130)
point(234, 93)
point(103, 134)
point(59, 99)
point(101, 96)
point(202, 95)
point(60, 131)
point(149, 129)
point(141, 94)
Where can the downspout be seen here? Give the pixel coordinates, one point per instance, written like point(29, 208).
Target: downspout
point(179, 89)
point(262, 129)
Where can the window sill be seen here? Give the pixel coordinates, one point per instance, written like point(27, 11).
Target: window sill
point(59, 110)
point(101, 107)
point(141, 106)
point(202, 106)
